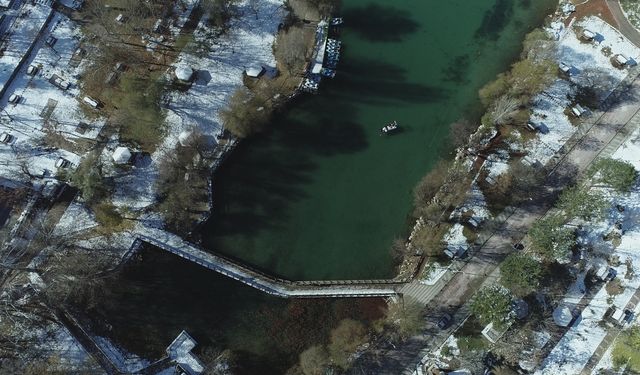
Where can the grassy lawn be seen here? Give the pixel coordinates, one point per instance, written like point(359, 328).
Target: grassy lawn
point(627, 350)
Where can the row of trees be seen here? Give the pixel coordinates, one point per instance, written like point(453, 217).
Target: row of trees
point(551, 240)
point(183, 180)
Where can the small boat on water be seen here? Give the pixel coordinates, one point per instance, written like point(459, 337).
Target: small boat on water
point(391, 127)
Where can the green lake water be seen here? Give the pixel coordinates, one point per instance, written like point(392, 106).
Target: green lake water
point(322, 194)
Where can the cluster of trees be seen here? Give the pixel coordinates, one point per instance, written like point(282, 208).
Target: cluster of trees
point(292, 49)
point(345, 339)
point(508, 96)
point(443, 188)
point(312, 9)
point(219, 12)
point(550, 238)
point(183, 181)
point(245, 114)
point(139, 115)
point(88, 177)
point(512, 187)
point(402, 320)
point(249, 111)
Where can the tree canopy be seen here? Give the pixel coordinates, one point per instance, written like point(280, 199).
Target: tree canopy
point(345, 339)
point(618, 174)
point(492, 305)
point(551, 239)
point(579, 202)
point(520, 273)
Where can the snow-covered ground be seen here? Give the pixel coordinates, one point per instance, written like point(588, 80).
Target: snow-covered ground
point(578, 345)
point(44, 110)
point(218, 73)
point(591, 66)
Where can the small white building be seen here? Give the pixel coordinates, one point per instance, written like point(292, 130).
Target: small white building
point(121, 155)
point(562, 316)
point(621, 59)
point(588, 35)
point(255, 71)
point(184, 73)
point(183, 138)
point(578, 110)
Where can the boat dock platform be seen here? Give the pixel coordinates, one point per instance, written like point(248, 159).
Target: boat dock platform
point(326, 54)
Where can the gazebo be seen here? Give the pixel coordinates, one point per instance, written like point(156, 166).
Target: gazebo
point(184, 73)
point(121, 155)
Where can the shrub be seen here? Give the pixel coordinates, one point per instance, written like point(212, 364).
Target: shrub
point(627, 350)
point(89, 180)
point(107, 215)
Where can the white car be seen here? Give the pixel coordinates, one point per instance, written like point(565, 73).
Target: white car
point(14, 98)
point(6, 138)
point(32, 70)
point(62, 163)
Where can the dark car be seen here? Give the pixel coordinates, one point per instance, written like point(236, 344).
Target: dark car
point(445, 321)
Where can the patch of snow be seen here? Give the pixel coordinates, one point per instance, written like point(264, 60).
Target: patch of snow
point(218, 73)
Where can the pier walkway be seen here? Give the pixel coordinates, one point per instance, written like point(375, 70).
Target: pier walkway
point(256, 279)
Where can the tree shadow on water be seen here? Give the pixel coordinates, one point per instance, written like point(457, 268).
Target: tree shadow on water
point(379, 23)
point(264, 176)
point(376, 82)
point(495, 20)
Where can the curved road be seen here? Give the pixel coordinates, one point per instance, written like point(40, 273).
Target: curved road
point(625, 27)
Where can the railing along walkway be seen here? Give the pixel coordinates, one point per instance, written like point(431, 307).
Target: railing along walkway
point(266, 283)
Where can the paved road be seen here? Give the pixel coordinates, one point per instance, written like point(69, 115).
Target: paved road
point(599, 137)
point(626, 28)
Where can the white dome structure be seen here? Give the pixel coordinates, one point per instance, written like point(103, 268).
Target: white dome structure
point(121, 155)
point(562, 316)
point(184, 73)
point(183, 138)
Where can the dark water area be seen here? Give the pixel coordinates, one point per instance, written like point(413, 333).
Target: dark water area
point(157, 295)
point(322, 195)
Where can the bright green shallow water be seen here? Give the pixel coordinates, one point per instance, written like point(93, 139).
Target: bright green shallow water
point(323, 195)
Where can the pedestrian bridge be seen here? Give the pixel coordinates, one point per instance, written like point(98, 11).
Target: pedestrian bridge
point(256, 279)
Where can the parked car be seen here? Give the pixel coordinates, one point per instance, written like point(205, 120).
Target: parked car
point(14, 98)
point(51, 40)
point(62, 163)
point(445, 321)
point(93, 103)
point(59, 82)
point(6, 138)
point(32, 70)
